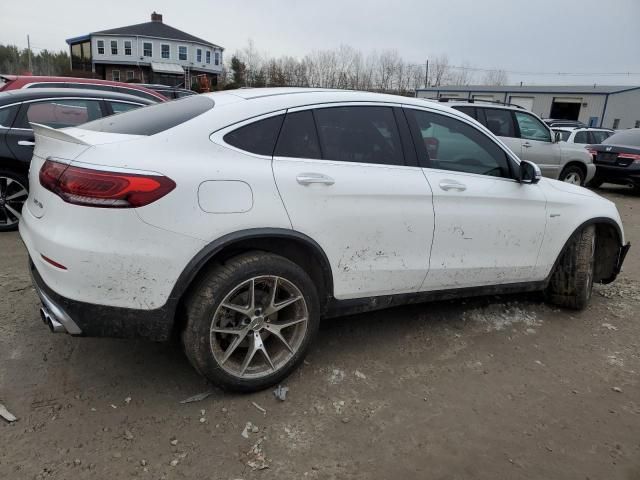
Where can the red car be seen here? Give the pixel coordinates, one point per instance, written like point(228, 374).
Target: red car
point(16, 82)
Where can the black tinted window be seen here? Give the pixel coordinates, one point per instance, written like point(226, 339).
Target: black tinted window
point(155, 118)
point(359, 134)
point(628, 137)
point(599, 136)
point(449, 144)
point(500, 122)
point(581, 137)
point(6, 116)
point(257, 137)
point(471, 111)
point(298, 137)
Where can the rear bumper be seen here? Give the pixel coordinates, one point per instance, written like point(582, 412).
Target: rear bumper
point(91, 320)
point(618, 175)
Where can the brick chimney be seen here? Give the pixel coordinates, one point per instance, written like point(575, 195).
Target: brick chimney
point(156, 17)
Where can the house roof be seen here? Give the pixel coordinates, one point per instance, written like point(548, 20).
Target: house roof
point(570, 89)
point(153, 29)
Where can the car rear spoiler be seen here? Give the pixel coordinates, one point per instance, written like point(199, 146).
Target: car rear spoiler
point(61, 135)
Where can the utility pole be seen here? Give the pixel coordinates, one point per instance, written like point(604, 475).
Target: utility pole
point(426, 74)
point(29, 48)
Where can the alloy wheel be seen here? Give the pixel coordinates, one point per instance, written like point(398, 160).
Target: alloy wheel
point(12, 197)
point(258, 327)
point(573, 178)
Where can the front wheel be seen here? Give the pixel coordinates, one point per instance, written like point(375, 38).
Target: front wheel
point(250, 321)
point(572, 281)
point(13, 194)
point(572, 174)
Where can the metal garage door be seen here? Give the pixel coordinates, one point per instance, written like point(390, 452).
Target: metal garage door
point(524, 102)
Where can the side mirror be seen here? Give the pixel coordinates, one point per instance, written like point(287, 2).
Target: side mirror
point(529, 172)
point(557, 137)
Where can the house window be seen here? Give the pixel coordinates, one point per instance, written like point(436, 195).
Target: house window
point(217, 62)
point(165, 51)
point(100, 47)
point(147, 49)
point(114, 47)
point(616, 123)
point(115, 75)
point(208, 55)
point(199, 55)
point(131, 75)
point(637, 124)
point(182, 53)
point(127, 47)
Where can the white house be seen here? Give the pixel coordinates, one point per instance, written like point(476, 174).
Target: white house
point(151, 52)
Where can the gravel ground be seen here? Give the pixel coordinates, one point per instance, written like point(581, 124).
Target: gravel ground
point(495, 387)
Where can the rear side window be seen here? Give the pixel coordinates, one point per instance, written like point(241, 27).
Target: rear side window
point(581, 137)
point(359, 134)
point(298, 137)
point(500, 122)
point(6, 116)
point(257, 137)
point(599, 137)
point(59, 113)
point(155, 118)
point(119, 107)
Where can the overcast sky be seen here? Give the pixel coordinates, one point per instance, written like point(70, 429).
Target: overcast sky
point(534, 36)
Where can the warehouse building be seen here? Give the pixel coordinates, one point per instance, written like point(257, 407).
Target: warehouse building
point(597, 106)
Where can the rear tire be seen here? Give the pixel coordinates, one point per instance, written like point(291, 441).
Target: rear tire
point(14, 189)
point(572, 174)
point(250, 321)
point(595, 182)
point(572, 281)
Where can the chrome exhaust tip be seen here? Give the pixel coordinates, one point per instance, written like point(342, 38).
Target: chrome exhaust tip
point(54, 325)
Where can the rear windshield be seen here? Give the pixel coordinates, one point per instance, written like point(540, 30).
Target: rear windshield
point(627, 137)
point(153, 119)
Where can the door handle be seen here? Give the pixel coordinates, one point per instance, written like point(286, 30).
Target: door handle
point(309, 178)
point(452, 185)
point(26, 143)
point(526, 145)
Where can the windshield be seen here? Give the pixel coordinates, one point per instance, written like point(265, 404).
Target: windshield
point(153, 119)
point(627, 137)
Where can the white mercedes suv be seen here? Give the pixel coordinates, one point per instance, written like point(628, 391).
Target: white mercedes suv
point(237, 220)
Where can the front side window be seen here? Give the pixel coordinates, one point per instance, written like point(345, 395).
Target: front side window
point(114, 47)
point(531, 128)
point(147, 49)
point(257, 137)
point(208, 56)
point(449, 144)
point(199, 55)
point(471, 111)
point(60, 113)
point(581, 137)
point(298, 137)
point(165, 51)
point(127, 47)
point(499, 122)
point(359, 134)
point(564, 135)
point(100, 47)
point(182, 53)
point(115, 75)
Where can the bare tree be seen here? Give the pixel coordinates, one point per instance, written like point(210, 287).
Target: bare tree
point(439, 71)
point(495, 77)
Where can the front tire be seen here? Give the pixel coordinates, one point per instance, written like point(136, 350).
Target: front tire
point(573, 175)
point(572, 281)
point(13, 193)
point(250, 321)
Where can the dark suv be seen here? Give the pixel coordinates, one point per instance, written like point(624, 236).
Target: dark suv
point(57, 108)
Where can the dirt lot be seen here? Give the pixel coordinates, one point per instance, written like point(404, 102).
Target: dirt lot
point(486, 388)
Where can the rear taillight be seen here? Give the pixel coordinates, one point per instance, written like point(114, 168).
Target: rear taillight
point(631, 156)
point(99, 188)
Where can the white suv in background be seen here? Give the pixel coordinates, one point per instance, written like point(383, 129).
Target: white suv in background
point(583, 135)
point(533, 140)
point(238, 219)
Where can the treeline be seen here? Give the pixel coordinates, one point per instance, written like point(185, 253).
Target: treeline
point(348, 68)
point(14, 60)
